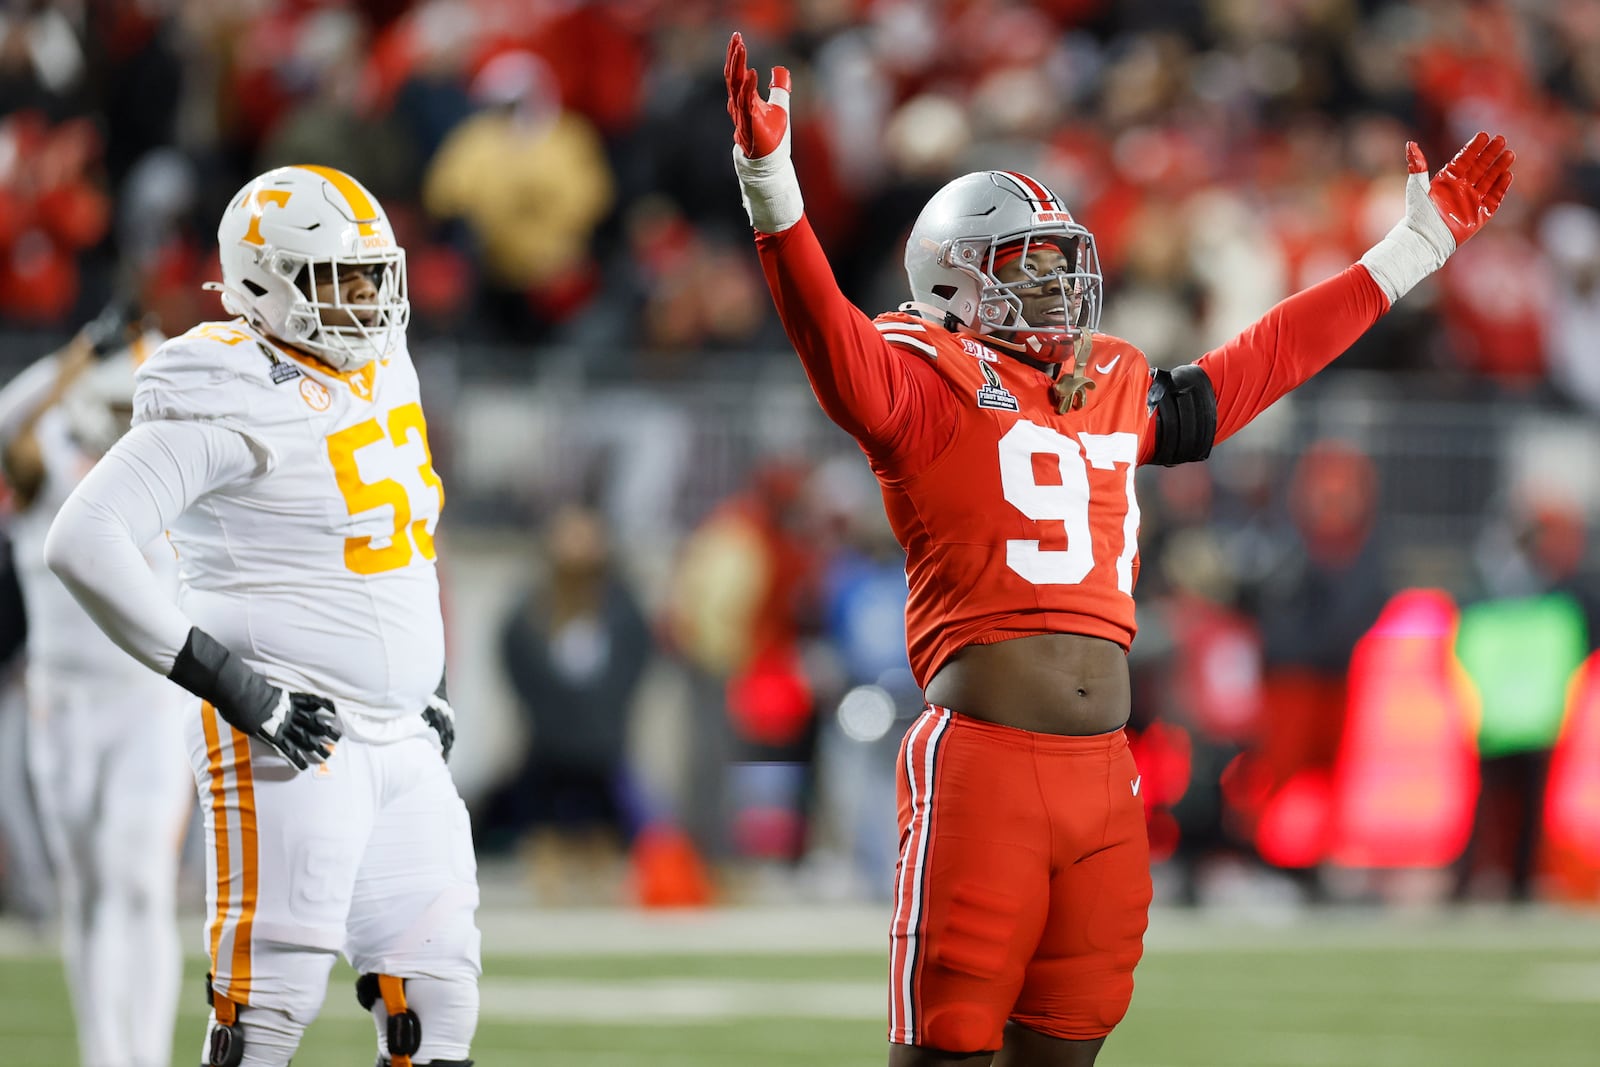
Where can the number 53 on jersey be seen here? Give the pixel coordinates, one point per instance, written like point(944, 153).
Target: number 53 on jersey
point(374, 462)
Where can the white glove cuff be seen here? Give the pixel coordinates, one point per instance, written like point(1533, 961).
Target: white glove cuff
point(1416, 247)
point(769, 188)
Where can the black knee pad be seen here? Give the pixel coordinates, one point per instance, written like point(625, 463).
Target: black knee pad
point(225, 1043)
point(404, 1029)
point(366, 991)
point(226, 1046)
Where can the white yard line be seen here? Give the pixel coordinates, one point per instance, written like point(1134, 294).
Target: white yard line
point(1565, 983)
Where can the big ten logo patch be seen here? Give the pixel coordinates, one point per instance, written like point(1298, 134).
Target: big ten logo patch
point(315, 394)
point(979, 351)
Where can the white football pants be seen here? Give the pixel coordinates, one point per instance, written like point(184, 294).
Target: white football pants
point(369, 854)
point(107, 761)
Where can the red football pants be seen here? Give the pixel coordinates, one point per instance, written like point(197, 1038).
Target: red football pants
point(1023, 887)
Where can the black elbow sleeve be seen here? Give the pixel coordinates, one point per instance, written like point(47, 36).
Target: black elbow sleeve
point(208, 670)
point(1186, 415)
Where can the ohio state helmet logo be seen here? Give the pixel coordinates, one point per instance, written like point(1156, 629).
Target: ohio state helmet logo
point(1045, 205)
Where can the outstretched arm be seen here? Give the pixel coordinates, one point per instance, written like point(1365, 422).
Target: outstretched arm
point(1306, 332)
point(887, 399)
point(1289, 344)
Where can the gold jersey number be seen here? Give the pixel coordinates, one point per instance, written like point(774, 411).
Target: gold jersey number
point(363, 554)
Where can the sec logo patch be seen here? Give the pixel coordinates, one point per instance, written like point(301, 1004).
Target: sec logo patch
point(315, 394)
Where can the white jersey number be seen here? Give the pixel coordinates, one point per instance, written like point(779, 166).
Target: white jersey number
point(365, 555)
point(1066, 503)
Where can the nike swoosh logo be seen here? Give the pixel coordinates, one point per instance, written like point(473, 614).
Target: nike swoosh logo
point(1136, 781)
point(1106, 367)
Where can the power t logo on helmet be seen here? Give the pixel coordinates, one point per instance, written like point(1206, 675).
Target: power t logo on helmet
point(309, 257)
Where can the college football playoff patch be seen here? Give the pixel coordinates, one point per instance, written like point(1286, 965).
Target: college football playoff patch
point(993, 395)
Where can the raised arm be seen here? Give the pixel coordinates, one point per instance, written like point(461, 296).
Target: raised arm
point(45, 383)
point(882, 395)
point(23, 403)
point(1310, 329)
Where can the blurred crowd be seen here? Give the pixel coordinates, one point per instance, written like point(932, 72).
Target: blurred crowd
point(559, 174)
point(1316, 714)
point(558, 170)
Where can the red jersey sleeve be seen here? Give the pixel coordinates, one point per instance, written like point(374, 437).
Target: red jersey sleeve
point(884, 396)
point(1285, 348)
point(1289, 344)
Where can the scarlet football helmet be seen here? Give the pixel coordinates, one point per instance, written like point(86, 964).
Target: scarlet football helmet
point(295, 227)
point(983, 219)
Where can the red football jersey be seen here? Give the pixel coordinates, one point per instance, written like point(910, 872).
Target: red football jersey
point(1025, 521)
point(1017, 520)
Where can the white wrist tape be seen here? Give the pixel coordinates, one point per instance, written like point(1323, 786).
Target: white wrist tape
point(768, 185)
point(1416, 247)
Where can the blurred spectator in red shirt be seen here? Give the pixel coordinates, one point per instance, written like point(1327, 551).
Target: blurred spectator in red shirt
point(1496, 304)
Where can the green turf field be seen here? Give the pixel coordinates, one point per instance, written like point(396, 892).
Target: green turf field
point(799, 987)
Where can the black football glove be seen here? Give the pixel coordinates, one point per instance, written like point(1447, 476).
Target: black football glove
point(442, 717)
point(107, 332)
point(301, 726)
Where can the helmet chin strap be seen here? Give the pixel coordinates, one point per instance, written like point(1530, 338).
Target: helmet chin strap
point(1052, 358)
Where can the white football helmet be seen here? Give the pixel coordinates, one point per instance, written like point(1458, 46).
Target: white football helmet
point(952, 254)
point(294, 228)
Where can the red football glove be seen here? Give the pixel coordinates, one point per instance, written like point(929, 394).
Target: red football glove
point(760, 127)
point(767, 182)
point(1441, 213)
point(1468, 190)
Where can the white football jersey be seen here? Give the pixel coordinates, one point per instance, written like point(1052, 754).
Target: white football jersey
point(319, 568)
point(62, 640)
